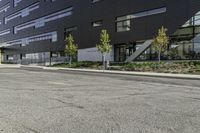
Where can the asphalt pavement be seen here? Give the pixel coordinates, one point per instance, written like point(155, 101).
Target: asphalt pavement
point(46, 101)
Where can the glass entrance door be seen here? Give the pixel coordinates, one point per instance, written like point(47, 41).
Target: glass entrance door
point(120, 54)
point(123, 51)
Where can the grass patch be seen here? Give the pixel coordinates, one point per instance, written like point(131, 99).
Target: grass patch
point(181, 67)
point(83, 64)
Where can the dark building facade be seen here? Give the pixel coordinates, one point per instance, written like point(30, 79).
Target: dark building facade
point(33, 31)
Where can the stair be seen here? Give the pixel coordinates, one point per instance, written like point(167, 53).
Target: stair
point(138, 52)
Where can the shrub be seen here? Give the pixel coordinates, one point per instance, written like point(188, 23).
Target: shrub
point(164, 67)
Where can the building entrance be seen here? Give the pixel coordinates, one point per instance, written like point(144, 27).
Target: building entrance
point(123, 51)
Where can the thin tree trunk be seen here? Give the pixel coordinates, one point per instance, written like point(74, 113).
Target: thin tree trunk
point(70, 61)
point(159, 54)
point(50, 59)
point(103, 61)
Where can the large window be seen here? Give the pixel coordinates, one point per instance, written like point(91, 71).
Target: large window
point(4, 32)
point(5, 8)
point(97, 23)
point(123, 23)
point(26, 41)
point(16, 2)
point(94, 1)
point(123, 51)
point(40, 22)
point(9, 57)
point(50, 0)
point(185, 42)
point(69, 30)
point(195, 20)
point(22, 13)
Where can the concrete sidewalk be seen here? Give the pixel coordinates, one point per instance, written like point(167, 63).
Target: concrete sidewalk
point(10, 65)
point(149, 74)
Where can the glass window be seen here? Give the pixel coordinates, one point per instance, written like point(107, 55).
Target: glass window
point(25, 41)
point(40, 22)
point(94, 1)
point(124, 22)
point(69, 30)
point(4, 8)
point(4, 32)
point(124, 25)
point(16, 2)
point(97, 23)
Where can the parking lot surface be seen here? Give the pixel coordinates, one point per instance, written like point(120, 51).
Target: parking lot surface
point(39, 101)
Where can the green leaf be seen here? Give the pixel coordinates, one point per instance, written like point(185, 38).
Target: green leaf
point(70, 47)
point(104, 45)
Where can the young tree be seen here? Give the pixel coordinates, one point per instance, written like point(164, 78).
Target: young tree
point(160, 42)
point(104, 46)
point(70, 48)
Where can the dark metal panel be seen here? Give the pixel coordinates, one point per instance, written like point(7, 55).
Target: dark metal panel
point(178, 12)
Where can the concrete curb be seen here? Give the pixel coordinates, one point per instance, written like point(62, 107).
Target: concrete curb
point(9, 66)
point(149, 74)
